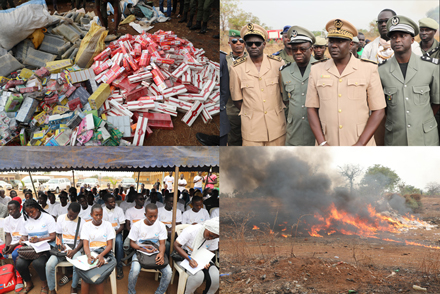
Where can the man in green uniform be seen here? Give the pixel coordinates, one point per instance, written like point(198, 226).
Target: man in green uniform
point(411, 88)
point(286, 53)
point(237, 46)
point(203, 12)
point(430, 46)
point(361, 38)
point(319, 48)
point(294, 78)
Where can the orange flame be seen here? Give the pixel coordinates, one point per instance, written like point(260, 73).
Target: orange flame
point(418, 244)
point(283, 229)
point(285, 236)
point(271, 232)
point(255, 228)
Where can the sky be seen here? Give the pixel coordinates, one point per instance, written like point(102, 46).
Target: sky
point(314, 15)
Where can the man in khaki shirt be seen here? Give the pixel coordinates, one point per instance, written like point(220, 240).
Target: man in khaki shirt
point(342, 91)
point(255, 89)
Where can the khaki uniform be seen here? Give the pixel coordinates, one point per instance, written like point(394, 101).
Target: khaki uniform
point(345, 100)
point(298, 131)
point(434, 51)
point(262, 111)
point(410, 120)
point(286, 57)
point(234, 136)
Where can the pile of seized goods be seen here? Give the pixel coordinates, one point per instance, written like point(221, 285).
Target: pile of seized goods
point(132, 86)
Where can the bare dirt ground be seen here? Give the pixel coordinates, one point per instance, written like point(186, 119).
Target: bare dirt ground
point(181, 134)
point(255, 261)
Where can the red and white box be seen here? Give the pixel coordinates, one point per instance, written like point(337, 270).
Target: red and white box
point(120, 109)
point(81, 76)
point(141, 129)
point(99, 77)
point(215, 96)
point(153, 98)
point(113, 73)
point(197, 80)
point(165, 108)
point(140, 105)
point(195, 66)
point(191, 97)
point(206, 117)
point(174, 91)
point(135, 94)
point(103, 66)
point(180, 70)
point(117, 59)
point(193, 113)
point(186, 77)
point(213, 110)
point(144, 61)
point(207, 88)
point(181, 105)
point(103, 55)
point(140, 77)
point(160, 83)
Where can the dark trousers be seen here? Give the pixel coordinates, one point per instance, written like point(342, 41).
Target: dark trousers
point(4, 4)
point(39, 265)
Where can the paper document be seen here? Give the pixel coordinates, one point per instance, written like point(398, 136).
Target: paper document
point(39, 246)
point(82, 263)
point(149, 247)
point(203, 256)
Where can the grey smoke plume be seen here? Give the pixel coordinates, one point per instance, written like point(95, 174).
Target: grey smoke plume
point(290, 175)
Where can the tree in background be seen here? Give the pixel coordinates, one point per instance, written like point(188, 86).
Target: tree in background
point(232, 17)
point(379, 179)
point(433, 189)
point(350, 171)
point(408, 189)
point(227, 9)
point(434, 14)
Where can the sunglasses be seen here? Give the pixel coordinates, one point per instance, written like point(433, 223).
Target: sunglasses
point(250, 44)
point(234, 41)
point(381, 21)
point(302, 50)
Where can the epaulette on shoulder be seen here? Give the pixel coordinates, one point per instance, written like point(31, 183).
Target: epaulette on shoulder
point(284, 66)
point(319, 61)
point(239, 61)
point(277, 53)
point(368, 60)
point(430, 59)
point(275, 58)
point(223, 52)
point(383, 62)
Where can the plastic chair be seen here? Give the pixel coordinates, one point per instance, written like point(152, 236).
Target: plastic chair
point(183, 276)
point(63, 265)
point(155, 271)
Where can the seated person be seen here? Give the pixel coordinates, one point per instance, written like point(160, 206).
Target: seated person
point(67, 225)
point(192, 239)
point(136, 213)
point(90, 198)
point(12, 225)
point(166, 217)
point(154, 198)
point(85, 208)
point(42, 200)
point(38, 226)
point(62, 207)
point(115, 215)
point(197, 214)
point(52, 204)
point(97, 236)
point(215, 212)
point(149, 230)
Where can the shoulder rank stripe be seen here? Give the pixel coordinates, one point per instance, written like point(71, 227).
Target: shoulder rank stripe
point(284, 66)
point(368, 60)
point(239, 61)
point(430, 59)
point(274, 57)
point(319, 61)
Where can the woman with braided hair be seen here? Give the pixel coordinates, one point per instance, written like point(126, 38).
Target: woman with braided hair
point(189, 242)
point(38, 226)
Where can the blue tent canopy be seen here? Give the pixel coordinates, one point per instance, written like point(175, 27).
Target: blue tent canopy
point(126, 158)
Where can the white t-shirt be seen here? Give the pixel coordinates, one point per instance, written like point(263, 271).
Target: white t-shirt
point(166, 216)
point(84, 214)
point(215, 212)
point(97, 235)
point(181, 181)
point(52, 208)
point(67, 228)
point(41, 227)
point(186, 239)
point(115, 216)
point(12, 226)
point(158, 204)
point(5, 200)
point(190, 217)
point(169, 181)
point(60, 210)
point(134, 215)
point(140, 232)
point(200, 183)
point(124, 205)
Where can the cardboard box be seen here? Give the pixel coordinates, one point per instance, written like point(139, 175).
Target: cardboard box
point(141, 129)
point(98, 97)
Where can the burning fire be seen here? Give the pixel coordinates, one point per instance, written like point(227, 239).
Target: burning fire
point(285, 236)
point(255, 228)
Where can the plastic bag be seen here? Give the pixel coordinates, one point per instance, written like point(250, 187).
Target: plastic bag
point(91, 45)
point(18, 23)
point(37, 37)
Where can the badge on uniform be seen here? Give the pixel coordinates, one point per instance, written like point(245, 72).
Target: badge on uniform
point(338, 24)
point(395, 21)
point(389, 97)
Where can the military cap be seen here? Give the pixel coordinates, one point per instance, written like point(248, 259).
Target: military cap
point(355, 40)
point(299, 34)
point(285, 29)
point(428, 23)
point(400, 23)
point(234, 33)
point(320, 41)
point(342, 29)
point(253, 29)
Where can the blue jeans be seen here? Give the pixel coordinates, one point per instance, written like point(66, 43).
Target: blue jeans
point(134, 274)
point(198, 188)
point(168, 7)
point(119, 248)
point(50, 271)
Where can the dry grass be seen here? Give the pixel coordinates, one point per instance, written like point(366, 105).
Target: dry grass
point(430, 265)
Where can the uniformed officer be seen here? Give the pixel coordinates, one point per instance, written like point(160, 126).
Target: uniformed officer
point(295, 79)
point(255, 89)
point(355, 47)
point(430, 46)
point(342, 92)
point(285, 53)
point(237, 46)
point(319, 48)
point(411, 87)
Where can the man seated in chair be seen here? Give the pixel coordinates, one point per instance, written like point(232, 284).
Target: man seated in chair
point(148, 230)
point(166, 217)
point(197, 214)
